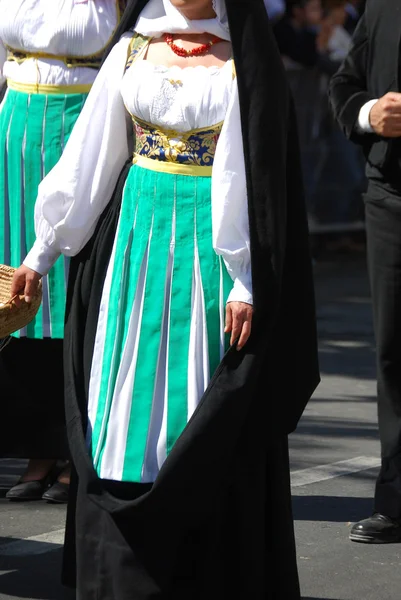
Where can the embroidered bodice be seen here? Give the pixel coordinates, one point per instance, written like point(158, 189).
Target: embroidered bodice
point(172, 119)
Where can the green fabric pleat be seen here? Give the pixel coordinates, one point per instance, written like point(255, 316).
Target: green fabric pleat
point(15, 180)
point(38, 127)
point(52, 146)
point(209, 266)
point(161, 204)
point(126, 270)
point(163, 217)
point(227, 285)
point(33, 173)
point(181, 304)
point(5, 116)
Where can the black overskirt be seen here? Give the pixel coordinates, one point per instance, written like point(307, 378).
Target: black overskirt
point(32, 398)
point(218, 518)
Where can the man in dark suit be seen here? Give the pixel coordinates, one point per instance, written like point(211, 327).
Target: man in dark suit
point(366, 101)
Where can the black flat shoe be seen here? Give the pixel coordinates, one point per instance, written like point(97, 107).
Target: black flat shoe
point(27, 491)
point(377, 529)
point(57, 493)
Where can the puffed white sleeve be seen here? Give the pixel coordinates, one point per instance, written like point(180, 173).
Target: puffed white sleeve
point(73, 195)
point(230, 204)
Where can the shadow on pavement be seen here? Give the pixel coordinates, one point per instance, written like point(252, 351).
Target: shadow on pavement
point(346, 355)
point(338, 427)
point(344, 316)
point(335, 509)
point(33, 577)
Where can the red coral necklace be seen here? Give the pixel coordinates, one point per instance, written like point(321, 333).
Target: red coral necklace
point(203, 49)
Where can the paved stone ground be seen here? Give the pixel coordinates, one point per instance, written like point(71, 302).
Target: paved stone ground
point(334, 463)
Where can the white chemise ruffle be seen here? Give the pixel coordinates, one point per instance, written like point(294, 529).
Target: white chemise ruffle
point(61, 27)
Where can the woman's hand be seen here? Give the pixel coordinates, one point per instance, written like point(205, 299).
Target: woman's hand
point(25, 281)
point(238, 322)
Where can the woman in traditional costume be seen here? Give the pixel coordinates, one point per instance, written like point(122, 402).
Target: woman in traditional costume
point(50, 55)
point(178, 432)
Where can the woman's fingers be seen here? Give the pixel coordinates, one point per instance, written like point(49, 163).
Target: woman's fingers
point(17, 287)
point(229, 319)
point(31, 285)
point(238, 322)
point(236, 328)
point(245, 333)
point(25, 281)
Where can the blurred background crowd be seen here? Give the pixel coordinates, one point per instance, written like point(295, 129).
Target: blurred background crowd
point(314, 37)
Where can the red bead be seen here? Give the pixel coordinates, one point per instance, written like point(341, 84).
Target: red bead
point(195, 52)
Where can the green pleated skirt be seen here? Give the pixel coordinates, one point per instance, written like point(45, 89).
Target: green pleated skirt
point(34, 129)
point(160, 333)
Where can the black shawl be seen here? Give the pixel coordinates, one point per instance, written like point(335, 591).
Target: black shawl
point(237, 436)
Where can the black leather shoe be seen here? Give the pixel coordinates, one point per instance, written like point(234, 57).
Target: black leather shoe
point(27, 490)
point(377, 529)
point(57, 493)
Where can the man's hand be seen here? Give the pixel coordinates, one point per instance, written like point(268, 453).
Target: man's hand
point(238, 322)
point(385, 116)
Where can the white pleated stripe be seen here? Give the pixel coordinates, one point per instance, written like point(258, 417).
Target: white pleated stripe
point(22, 190)
point(112, 465)
point(161, 444)
point(62, 138)
point(114, 358)
point(46, 323)
point(156, 445)
point(198, 355)
point(7, 237)
point(46, 320)
point(22, 230)
point(98, 349)
point(222, 309)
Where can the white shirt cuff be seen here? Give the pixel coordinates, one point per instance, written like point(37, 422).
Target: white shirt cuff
point(242, 290)
point(364, 125)
point(41, 258)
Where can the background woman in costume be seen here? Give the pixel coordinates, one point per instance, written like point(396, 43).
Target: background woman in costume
point(177, 478)
point(51, 53)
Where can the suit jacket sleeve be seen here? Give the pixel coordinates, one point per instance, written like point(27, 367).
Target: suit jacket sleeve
point(348, 89)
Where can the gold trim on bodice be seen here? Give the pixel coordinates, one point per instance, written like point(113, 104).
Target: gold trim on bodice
point(46, 88)
point(19, 57)
point(195, 148)
point(161, 149)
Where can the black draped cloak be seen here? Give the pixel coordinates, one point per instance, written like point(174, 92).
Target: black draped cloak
point(217, 523)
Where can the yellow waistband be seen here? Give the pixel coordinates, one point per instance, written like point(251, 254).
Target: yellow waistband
point(44, 88)
point(174, 168)
point(92, 62)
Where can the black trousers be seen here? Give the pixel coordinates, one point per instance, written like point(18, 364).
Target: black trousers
point(383, 221)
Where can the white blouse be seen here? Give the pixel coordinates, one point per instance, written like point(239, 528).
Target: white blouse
point(70, 28)
point(74, 194)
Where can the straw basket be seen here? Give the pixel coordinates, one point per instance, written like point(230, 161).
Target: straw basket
point(12, 317)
